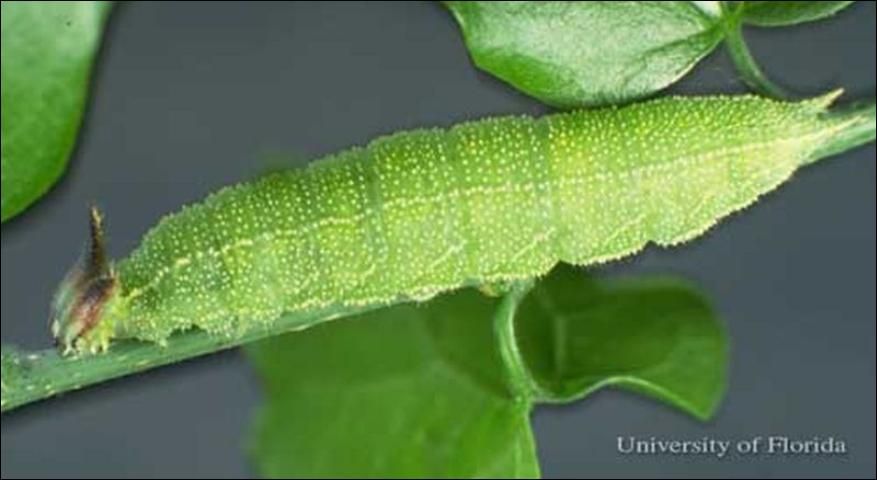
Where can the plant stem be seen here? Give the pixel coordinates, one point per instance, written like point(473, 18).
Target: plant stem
point(28, 377)
point(523, 386)
point(749, 70)
point(31, 376)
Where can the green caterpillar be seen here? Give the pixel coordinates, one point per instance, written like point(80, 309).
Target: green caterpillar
point(422, 212)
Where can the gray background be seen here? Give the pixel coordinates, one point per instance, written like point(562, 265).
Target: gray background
point(189, 97)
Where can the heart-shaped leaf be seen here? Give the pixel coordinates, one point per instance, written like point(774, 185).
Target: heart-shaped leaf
point(655, 336)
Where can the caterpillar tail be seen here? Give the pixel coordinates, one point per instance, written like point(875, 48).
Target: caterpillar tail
point(85, 296)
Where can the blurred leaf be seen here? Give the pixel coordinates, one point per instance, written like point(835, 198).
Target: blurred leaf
point(570, 54)
point(422, 391)
point(654, 336)
point(410, 391)
point(47, 52)
point(777, 14)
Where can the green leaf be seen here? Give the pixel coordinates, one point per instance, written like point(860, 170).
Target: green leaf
point(412, 391)
point(654, 336)
point(777, 14)
point(47, 52)
point(436, 391)
point(570, 54)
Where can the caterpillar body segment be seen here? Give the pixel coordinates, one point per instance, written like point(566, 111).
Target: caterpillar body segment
point(417, 213)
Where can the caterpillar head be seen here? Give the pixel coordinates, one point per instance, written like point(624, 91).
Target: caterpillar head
point(81, 301)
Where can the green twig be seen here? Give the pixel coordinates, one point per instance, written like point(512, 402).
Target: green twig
point(28, 377)
point(524, 387)
point(749, 70)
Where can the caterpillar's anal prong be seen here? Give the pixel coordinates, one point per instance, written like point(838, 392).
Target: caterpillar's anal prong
point(97, 251)
point(79, 304)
